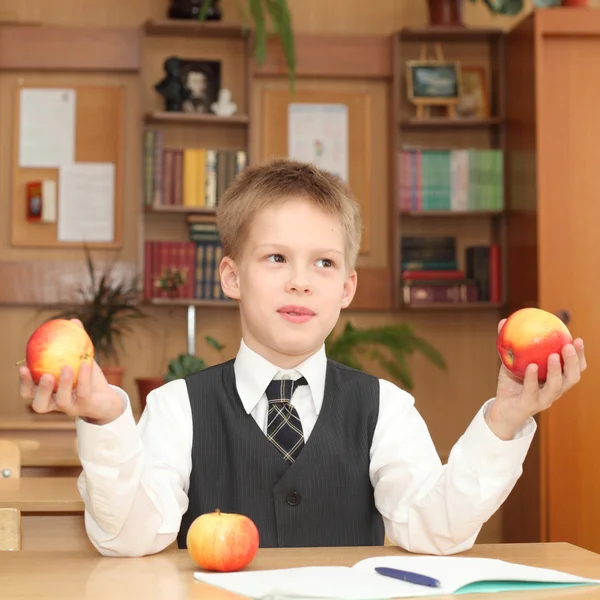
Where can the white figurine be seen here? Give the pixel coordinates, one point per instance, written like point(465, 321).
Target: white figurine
point(224, 107)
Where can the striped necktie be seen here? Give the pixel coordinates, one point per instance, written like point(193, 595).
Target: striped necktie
point(284, 428)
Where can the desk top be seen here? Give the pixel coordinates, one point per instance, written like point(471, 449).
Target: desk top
point(41, 494)
point(169, 574)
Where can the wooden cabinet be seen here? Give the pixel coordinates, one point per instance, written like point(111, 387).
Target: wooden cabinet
point(554, 252)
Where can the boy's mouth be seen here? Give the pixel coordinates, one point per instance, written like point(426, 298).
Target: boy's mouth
point(296, 314)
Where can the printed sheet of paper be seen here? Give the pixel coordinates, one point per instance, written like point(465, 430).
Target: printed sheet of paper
point(86, 202)
point(46, 127)
point(318, 133)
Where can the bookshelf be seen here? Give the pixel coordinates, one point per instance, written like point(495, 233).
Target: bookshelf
point(427, 153)
point(194, 151)
point(159, 116)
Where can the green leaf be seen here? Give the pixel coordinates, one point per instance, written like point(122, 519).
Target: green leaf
point(282, 21)
point(214, 343)
point(204, 10)
point(504, 7)
point(256, 10)
point(430, 352)
point(399, 341)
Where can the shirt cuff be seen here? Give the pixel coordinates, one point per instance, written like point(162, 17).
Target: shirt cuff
point(483, 450)
point(111, 444)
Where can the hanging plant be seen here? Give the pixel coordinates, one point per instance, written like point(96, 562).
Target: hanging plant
point(261, 13)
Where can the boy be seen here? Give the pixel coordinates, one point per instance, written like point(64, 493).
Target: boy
point(317, 454)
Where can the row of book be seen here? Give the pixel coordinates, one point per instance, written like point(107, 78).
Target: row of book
point(432, 273)
point(450, 180)
point(196, 261)
point(193, 177)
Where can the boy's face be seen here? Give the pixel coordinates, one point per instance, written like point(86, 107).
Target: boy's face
point(291, 281)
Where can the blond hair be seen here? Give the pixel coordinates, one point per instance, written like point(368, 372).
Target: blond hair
point(275, 181)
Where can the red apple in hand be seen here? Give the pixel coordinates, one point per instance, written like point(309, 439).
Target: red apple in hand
point(222, 541)
point(56, 344)
point(531, 335)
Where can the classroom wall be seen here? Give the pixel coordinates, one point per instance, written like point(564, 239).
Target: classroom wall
point(447, 400)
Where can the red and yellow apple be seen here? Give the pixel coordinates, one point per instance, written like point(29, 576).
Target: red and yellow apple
point(222, 541)
point(56, 344)
point(531, 335)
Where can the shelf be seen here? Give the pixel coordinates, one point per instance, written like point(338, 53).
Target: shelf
point(448, 123)
point(176, 208)
point(461, 34)
point(455, 306)
point(160, 116)
point(452, 213)
point(184, 302)
point(193, 28)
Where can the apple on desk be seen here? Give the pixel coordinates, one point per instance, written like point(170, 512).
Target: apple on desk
point(223, 542)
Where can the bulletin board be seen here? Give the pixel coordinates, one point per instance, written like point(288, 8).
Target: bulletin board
point(274, 138)
point(99, 131)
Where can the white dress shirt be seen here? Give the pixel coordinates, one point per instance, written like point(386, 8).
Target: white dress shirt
point(135, 478)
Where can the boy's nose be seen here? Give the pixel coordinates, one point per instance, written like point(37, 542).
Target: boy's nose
point(299, 285)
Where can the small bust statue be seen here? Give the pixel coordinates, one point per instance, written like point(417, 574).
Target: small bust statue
point(224, 107)
point(171, 87)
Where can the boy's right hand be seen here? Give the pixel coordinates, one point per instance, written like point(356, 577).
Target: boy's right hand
point(93, 399)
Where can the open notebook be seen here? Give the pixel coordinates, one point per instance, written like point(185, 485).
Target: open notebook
point(458, 575)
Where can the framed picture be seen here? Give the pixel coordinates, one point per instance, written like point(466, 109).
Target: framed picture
point(475, 98)
point(433, 81)
point(202, 80)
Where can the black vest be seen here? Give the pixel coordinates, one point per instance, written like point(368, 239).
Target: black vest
point(324, 499)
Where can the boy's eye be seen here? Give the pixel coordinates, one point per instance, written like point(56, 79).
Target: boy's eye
point(276, 258)
point(324, 262)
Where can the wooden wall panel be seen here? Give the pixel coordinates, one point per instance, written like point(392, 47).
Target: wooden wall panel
point(67, 49)
point(351, 56)
point(38, 282)
point(131, 149)
point(99, 138)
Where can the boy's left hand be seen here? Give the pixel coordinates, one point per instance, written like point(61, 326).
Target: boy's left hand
point(516, 401)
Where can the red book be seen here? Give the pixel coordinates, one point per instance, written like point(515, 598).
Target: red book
point(433, 274)
point(495, 274)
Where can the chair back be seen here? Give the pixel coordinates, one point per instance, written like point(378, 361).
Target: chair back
point(10, 459)
point(10, 529)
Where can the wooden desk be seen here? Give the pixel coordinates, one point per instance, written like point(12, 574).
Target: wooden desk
point(88, 576)
point(52, 512)
point(41, 495)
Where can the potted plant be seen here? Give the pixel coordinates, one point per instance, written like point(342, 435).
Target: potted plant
point(389, 345)
point(179, 367)
point(106, 310)
point(260, 13)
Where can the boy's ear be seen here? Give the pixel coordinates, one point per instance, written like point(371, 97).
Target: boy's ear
point(349, 288)
point(229, 278)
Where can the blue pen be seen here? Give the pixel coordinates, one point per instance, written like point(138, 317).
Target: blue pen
point(408, 576)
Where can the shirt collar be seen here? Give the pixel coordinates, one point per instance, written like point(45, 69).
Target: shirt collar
point(253, 374)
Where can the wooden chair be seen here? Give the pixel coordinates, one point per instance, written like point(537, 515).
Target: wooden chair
point(10, 529)
point(10, 459)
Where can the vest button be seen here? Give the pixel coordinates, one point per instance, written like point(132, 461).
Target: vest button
point(293, 498)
